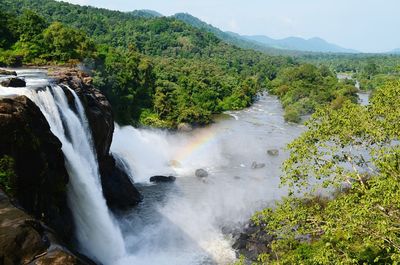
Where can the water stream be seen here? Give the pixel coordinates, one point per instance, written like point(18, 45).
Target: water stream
point(189, 221)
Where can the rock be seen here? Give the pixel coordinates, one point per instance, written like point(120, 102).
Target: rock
point(118, 189)
point(162, 179)
point(184, 127)
point(252, 242)
point(39, 182)
point(273, 152)
point(256, 165)
point(25, 240)
point(13, 82)
point(201, 173)
point(7, 72)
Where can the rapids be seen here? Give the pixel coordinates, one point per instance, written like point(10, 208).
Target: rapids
point(190, 221)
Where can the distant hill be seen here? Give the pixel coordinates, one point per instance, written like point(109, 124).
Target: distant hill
point(286, 46)
point(229, 37)
point(300, 44)
point(395, 51)
point(145, 13)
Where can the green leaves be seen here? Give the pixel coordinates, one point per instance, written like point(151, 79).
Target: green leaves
point(351, 154)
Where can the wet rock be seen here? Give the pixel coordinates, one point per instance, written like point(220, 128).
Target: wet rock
point(184, 127)
point(273, 152)
point(25, 240)
point(7, 72)
point(39, 181)
point(162, 179)
point(13, 82)
point(118, 189)
point(201, 173)
point(252, 242)
point(256, 165)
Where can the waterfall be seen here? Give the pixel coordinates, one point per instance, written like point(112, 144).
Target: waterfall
point(97, 234)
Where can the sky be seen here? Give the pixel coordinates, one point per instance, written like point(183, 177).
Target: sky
point(363, 25)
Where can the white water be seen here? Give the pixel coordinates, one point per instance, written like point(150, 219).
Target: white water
point(186, 222)
point(190, 221)
point(97, 234)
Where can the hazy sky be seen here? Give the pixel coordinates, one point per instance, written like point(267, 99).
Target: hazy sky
point(364, 25)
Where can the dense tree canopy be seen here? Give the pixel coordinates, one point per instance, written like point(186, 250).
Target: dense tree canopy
point(354, 151)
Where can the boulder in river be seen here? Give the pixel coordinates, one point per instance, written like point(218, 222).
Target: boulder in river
point(273, 152)
point(13, 82)
point(201, 173)
point(162, 179)
point(184, 127)
point(7, 72)
point(256, 165)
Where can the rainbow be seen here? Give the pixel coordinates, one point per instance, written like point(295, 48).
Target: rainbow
point(200, 142)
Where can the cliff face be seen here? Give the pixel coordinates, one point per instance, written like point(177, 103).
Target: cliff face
point(119, 191)
point(39, 181)
point(35, 220)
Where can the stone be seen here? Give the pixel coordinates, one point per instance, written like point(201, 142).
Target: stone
point(13, 82)
point(184, 127)
point(162, 179)
point(273, 152)
point(118, 188)
point(7, 72)
point(201, 173)
point(256, 165)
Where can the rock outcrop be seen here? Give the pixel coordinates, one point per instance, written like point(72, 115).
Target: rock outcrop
point(25, 240)
point(252, 242)
point(7, 72)
point(119, 191)
point(13, 82)
point(39, 181)
point(157, 179)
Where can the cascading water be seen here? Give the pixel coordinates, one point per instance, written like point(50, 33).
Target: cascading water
point(187, 222)
point(97, 234)
point(191, 221)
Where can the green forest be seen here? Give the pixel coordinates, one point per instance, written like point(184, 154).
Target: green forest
point(353, 155)
point(159, 71)
point(343, 172)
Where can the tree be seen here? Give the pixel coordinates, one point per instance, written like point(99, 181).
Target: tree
point(65, 43)
point(351, 154)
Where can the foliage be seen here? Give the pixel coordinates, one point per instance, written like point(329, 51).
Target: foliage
point(127, 79)
point(185, 73)
point(371, 70)
point(305, 87)
point(7, 173)
point(353, 150)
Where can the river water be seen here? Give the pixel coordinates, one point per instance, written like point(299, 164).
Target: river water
point(191, 220)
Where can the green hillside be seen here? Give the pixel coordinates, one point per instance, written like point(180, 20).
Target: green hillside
point(156, 71)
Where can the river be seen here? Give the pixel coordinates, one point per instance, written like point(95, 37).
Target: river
point(189, 221)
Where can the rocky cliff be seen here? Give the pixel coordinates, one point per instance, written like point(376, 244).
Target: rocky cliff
point(35, 220)
point(118, 189)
